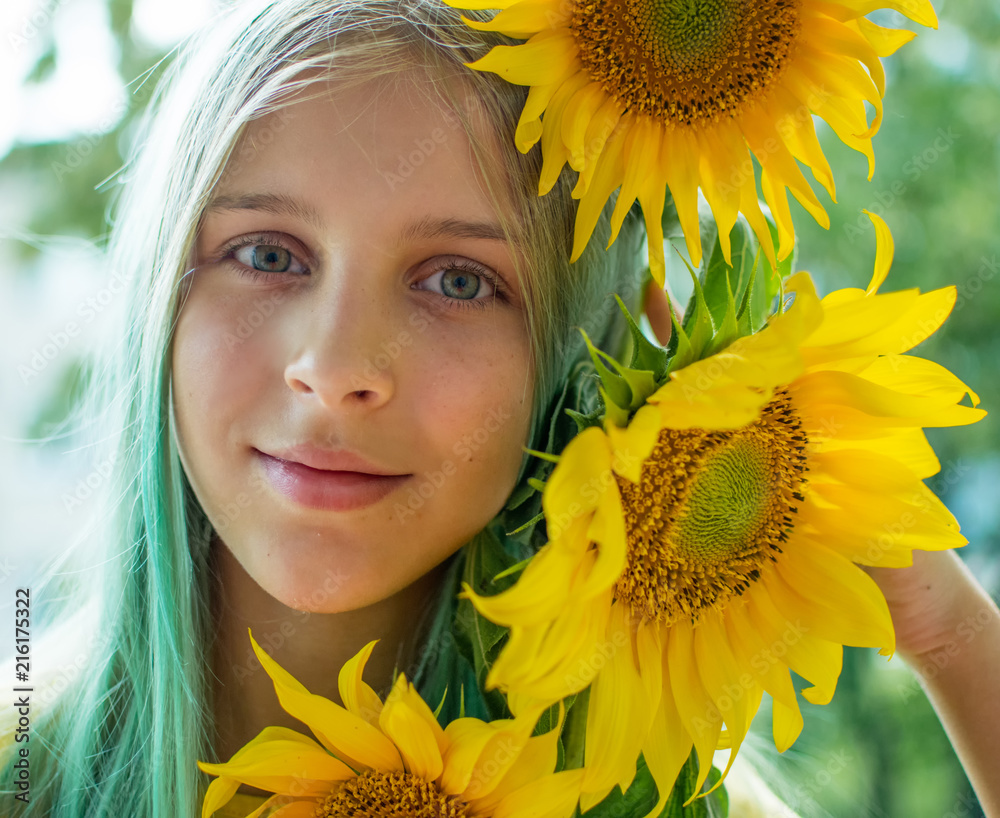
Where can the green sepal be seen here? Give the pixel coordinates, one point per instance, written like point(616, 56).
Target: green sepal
point(728, 330)
point(698, 323)
point(641, 796)
point(614, 388)
point(536, 484)
point(552, 458)
point(516, 568)
point(748, 312)
point(646, 356)
point(533, 521)
point(613, 412)
point(585, 421)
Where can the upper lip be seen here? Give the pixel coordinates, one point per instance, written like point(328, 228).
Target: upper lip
point(330, 460)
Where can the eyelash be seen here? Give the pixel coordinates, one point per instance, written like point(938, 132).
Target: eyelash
point(465, 265)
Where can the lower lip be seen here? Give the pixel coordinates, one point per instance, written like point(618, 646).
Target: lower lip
point(329, 490)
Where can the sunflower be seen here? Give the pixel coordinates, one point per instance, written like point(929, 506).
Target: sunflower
point(648, 95)
point(699, 553)
point(392, 759)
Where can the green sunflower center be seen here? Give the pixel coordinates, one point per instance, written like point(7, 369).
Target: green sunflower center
point(377, 794)
point(710, 510)
point(687, 62)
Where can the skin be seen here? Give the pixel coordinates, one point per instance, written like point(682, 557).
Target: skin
point(359, 342)
point(947, 631)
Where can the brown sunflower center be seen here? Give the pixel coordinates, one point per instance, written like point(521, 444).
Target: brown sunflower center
point(710, 510)
point(685, 61)
point(391, 795)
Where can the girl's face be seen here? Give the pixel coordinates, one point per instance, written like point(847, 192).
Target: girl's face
point(355, 307)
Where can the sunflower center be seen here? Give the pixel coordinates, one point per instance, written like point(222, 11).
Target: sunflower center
point(687, 62)
point(377, 794)
point(710, 510)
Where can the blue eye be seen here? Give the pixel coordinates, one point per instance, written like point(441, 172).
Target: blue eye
point(261, 255)
point(268, 258)
point(464, 283)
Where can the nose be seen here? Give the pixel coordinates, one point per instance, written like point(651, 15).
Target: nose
point(342, 355)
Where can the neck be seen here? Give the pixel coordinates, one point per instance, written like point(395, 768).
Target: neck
point(311, 646)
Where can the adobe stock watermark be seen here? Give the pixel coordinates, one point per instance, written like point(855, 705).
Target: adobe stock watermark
point(88, 311)
point(804, 795)
point(33, 24)
point(591, 490)
point(587, 669)
point(470, 442)
point(391, 349)
point(232, 510)
point(912, 169)
point(273, 640)
point(77, 152)
point(86, 486)
point(934, 662)
point(965, 805)
point(248, 324)
point(265, 130)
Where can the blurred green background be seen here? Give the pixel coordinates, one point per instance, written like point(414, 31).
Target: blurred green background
point(76, 73)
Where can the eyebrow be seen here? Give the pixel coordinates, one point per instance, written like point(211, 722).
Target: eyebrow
point(425, 228)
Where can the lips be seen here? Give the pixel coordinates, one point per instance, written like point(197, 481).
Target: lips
point(355, 484)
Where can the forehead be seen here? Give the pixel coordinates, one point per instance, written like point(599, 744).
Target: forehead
point(392, 125)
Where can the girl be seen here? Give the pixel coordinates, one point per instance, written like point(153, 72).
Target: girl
point(338, 263)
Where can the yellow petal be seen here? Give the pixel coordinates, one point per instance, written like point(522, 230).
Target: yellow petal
point(576, 119)
point(607, 530)
point(539, 595)
point(884, 41)
point(815, 659)
point(732, 693)
point(540, 61)
point(357, 696)
point(537, 760)
point(908, 446)
point(554, 151)
point(342, 733)
point(832, 36)
point(878, 401)
point(617, 715)
point(586, 461)
point(765, 663)
point(838, 600)
point(480, 754)
point(219, 793)
point(411, 725)
point(525, 18)
point(667, 746)
point(297, 809)
point(920, 11)
point(918, 376)
point(701, 720)
point(554, 796)
point(287, 767)
point(884, 248)
point(608, 171)
point(679, 159)
point(721, 154)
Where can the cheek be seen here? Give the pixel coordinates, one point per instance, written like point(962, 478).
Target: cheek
point(217, 376)
point(476, 412)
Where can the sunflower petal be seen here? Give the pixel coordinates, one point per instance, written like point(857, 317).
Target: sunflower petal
point(341, 732)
